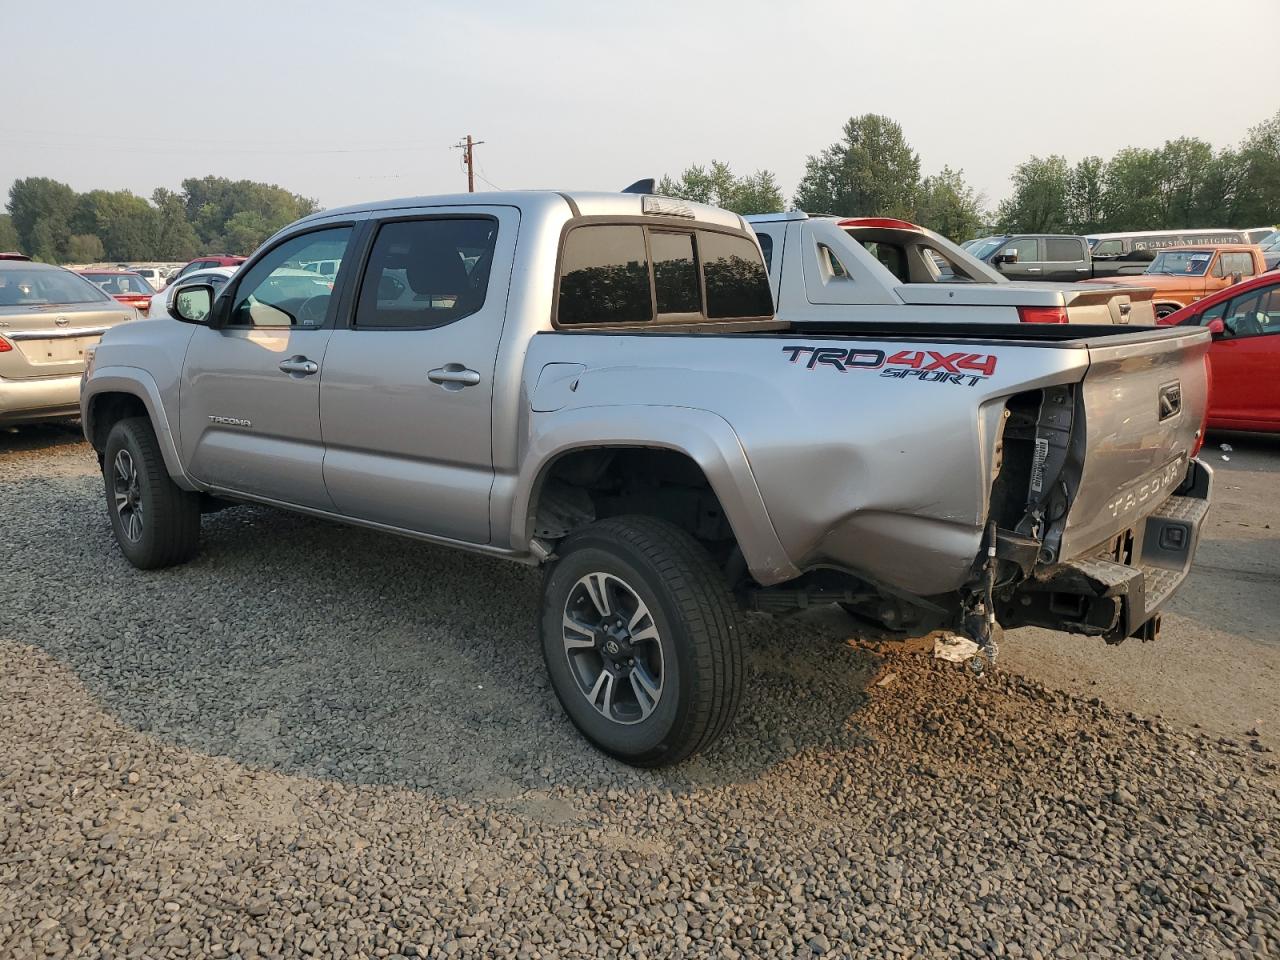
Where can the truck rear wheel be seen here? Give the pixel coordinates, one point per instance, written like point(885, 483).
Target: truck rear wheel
point(640, 637)
point(156, 522)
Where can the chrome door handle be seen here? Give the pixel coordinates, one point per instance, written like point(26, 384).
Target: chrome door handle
point(1033, 269)
point(453, 376)
point(299, 366)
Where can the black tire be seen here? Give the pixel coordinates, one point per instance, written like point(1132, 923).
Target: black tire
point(696, 620)
point(166, 530)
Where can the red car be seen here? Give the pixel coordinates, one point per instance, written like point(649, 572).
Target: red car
point(124, 286)
point(1245, 356)
point(212, 260)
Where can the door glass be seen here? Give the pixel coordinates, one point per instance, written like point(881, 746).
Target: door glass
point(426, 273)
point(675, 275)
point(1109, 248)
point(278, 292)
point(1063, 250)
point(1027, 249)
point(1242, 319)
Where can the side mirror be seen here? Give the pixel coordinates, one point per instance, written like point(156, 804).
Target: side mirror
point(1237, 277)
point(191, 303)
point(1010, 256)
point(1217, 327)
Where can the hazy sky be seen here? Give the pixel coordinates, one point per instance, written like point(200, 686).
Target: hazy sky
point(346, 101)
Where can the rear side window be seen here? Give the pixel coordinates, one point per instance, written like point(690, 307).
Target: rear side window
point(766, 247)
point(604, 277)
point(737, 285)
point(425, 273)
point(1108, 248)
point(1063, 249)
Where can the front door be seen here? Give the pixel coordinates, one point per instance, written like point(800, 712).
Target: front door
point(1030, 262)
point(250, 399)
point(407, 390)
point(1246, 389)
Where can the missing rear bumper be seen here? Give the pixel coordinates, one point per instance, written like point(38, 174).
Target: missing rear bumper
point(1119, 595)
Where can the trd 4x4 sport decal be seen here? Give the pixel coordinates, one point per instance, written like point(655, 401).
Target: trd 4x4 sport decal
point(928, 366)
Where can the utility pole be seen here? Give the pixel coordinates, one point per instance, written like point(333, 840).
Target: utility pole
point(468, 147)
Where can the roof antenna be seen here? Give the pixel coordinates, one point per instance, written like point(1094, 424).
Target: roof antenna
point(649, 185)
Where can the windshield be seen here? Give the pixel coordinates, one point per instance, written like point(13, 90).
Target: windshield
point(985, 247)
point(1271, 241)
point(22, 287)
point(118, 283)
point(1181, 262)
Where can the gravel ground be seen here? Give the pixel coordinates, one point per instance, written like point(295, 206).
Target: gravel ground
point(316, 741)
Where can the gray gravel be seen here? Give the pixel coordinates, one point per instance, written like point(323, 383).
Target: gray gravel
point(315, 741)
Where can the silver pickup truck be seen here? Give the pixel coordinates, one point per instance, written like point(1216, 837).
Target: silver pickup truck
point(598, 384)
point(879, 268)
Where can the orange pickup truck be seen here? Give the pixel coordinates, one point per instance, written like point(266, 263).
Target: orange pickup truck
point(1183, 275)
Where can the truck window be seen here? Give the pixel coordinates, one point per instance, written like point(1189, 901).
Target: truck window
point(766, 247)
point(675, 274)
point(277, 292)
point(736, 281)
point(1063, 249)
point(604, 276)
point(1108, 248)
point(1241, 263)
point(426, 273)
point(1027, 249)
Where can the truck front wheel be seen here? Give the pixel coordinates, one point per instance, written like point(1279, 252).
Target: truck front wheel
point(640, 637)
point(156, 522)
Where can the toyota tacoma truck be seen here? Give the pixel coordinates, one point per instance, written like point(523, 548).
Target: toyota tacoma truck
point(598, 384)
point(832, 269)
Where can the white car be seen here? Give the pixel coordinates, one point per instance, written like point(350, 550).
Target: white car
point(153, 275)
point(214, 275)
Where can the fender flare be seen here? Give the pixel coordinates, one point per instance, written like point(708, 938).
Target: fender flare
point(138, 383)
point(704, 437)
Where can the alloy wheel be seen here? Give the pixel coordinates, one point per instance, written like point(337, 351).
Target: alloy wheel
point(128, 494)
point(613, 647)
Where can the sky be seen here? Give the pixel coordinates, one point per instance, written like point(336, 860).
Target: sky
point(352, 101)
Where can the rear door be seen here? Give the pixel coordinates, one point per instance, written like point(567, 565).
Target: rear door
point(407, 389)
point(1246, 361)
point(250, 401)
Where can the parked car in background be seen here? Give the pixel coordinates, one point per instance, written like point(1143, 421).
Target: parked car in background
point(1183, 275)
point(1258, 234)
point(1060, 258)
point(1270, 247)
point(125, 286)
point(1126, 244)
point(214, 276)
point(830, 269)
point(13, 255)
point(49, 317)
point(204, 263)
point(598, 384)
point(154, 276)
point(1245, 355)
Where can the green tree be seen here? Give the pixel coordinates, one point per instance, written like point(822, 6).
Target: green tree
point(1085, 188)
point(1133, 196)
point(1257, 194)
point(127, 225)
point(85, 248)
point(870, 171)
point(175, 237)
point(213, 202)
point(9, 239)
point(947, 204)
point(753, 193)
point(1039, 200)
point(41, 210)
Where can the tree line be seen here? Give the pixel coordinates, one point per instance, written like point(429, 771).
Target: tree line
point(50, 221)
point(872, 170)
